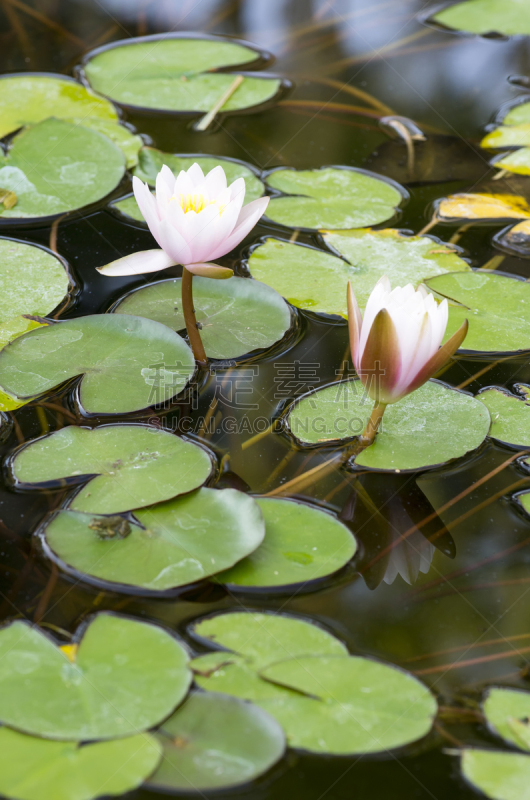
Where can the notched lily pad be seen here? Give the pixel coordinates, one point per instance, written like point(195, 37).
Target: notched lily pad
point(498, 775)
point(496, 306)
point(486, 17)
point(302, 543)
point(135, 466)
point(214, 741)
point(332, 198)
point(510, 415)
point(177, 73)
point(507, 712)
point(128, 363)
point(432, 425)
point(236, 316)
point(33, 281)
point(180, 542)
point(121, 677)
point(316, 281)
point(262, 638)
point(56, 166)
point(326, 701)
point(37, 769)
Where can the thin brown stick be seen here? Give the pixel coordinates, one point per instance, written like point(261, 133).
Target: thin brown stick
point(432, 224)
point(53, 233)
point(470, 662)
point(466, 647)
point(306, 479)
point(23, 38)
point(324, 105)
point(378, 105)
point(375, 55)
point(486, 369)
point(49, 23)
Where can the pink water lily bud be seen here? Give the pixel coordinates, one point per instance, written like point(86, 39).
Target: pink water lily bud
point(195, 218)
point(396, 345)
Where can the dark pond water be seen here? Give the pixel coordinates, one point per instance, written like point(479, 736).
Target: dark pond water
point(465, 622)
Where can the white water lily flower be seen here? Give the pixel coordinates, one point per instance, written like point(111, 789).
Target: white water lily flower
point(396, 345)
point(194, 219)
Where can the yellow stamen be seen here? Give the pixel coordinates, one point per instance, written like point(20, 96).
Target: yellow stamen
point(194, 202)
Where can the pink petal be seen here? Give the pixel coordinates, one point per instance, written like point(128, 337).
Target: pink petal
point(215, 181)
point(168, 177)
point(137, 263)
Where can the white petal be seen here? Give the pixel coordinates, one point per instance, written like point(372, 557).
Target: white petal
point(163, 195)
point(147, 204)
point(247, 219)
point(137, 263)
point(171, 241)
point(168, 177)
point(195, 174)
point(215, 181)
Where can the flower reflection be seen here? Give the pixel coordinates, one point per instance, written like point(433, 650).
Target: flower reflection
point(397, 527)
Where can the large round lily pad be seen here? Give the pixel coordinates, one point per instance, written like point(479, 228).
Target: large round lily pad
point(302, 543)
point(332, 198)
point(128, 363)
point(497, 308)
point(175, 73)
point(236, 315)
point(497, 775)
point(326, 701)
point(430, 426)
point(134, 465)
point(33, 281)
point(510, 415)
point(508, 17)
point(37, 769)
point(181, 541)
point(214, 741)
point(57, 166)
point(123, 677)
point(316, 281)
point(507, 712)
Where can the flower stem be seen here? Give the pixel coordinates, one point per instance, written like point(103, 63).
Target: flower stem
point(192, 328)
point(373, 424)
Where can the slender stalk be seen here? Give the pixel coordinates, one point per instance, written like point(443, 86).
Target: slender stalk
point(192, 328)
point(373, 424)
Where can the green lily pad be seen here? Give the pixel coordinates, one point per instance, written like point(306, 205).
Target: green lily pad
point(263, 638)
point(27, 99)
point(182, 541)
point(517, 115)
point(316, 281)
point(302, 543)
point(57, 166)
point(507, 712)
point(326, 701)
point(135, 465)
point(37, 769)
point(432, 425)
point(508, 17)
point(332, 198)
point(125, 676)
point(510, 420)
point(237, 315)
point(128, 142)
point(214, 741)
point(497, 308)
point(128, 363)
point(32, 281)
point(174, 73)
point(500, 776)
point(355, 705)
